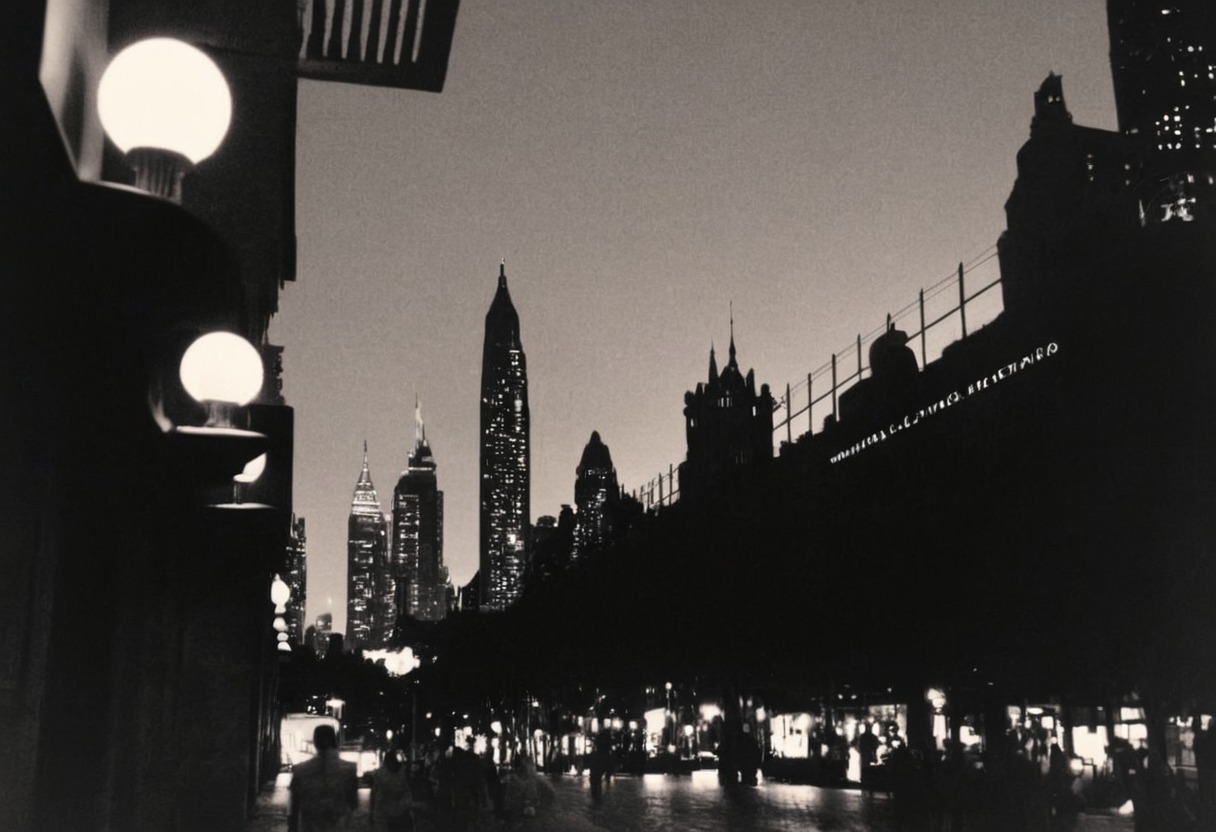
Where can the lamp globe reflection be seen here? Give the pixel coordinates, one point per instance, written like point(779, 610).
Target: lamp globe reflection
point(222, 371)
point(167, 106)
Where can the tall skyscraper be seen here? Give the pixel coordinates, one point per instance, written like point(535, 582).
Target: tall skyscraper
point(370, 586)
point(505, 462)
point(595, 494)
point(1163, 60)
point(727, 424)
point(418, 533)
point(1163, 63)
point(295, 574)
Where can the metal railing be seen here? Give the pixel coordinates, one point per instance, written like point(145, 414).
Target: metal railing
point(387, 43)
point(944, 302)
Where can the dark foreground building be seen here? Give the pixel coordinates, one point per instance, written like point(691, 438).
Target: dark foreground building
point(137, 659)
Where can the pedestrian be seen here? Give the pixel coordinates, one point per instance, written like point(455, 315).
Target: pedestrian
point(324, 790)
point(392, 801)
point(600, 751)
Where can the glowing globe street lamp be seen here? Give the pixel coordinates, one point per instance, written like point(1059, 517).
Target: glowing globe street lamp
point(280, 593)
point(223, 372)
point(166, 105)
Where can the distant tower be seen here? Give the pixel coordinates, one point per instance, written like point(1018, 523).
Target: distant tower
point(296, 576)
point(418, 533)
point(505, 514)
point(727, 424)
point(595, 494)
point(370, 589)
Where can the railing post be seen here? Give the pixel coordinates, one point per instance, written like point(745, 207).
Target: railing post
point(962, 300)
point(671, 482)
point(789, 414)
point(923, 358)
point(660, 488)
point(859, 356)
point(834, 416)
point(810, 405)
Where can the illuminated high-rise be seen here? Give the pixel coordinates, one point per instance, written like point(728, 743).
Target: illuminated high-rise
point(370, 588)
point(295, 574)
point(595, 493)
point(1163, 61)
point(504, 455)
point(418, 533)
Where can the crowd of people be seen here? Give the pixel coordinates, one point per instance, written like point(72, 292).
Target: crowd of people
point(451, 791)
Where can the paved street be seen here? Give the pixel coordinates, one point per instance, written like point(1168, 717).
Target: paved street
point(661, 803)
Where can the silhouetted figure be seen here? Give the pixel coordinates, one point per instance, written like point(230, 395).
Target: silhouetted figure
point(392, 800)
point(1064, 805)
point(748, 756)
point(324, 790)
point(600, 754)
point(460, 791)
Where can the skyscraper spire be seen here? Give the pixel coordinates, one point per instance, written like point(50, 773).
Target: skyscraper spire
point(419, 425)
point(731, 362)
point(502, 273)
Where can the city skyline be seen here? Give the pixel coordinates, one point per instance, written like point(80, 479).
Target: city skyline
point(682, 179)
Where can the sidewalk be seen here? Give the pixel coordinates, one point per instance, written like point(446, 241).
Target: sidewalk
point(635, 806)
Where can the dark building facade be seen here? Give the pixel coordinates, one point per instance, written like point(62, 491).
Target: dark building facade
point(418, 533)
point(505, 455)
point(137, 659)
point(371, 586)
point(296, 576)
point(728, 424)
point(596, 493)
point(1075, 188)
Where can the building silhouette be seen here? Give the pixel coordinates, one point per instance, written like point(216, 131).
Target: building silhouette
point(596, 494)
point(371, 586)
point(295, 575)
point(417, 549)
point(727, 423)
point(505, 459)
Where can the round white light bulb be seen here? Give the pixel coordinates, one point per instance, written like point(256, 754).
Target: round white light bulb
point(280, 592)
point(162, 93)
point(222, 367)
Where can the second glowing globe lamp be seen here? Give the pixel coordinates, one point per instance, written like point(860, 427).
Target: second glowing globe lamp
point(223, 372)
point(167, 106)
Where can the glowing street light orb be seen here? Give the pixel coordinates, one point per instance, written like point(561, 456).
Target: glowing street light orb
point(164, 94)
point(222, 367)
point(280, 594)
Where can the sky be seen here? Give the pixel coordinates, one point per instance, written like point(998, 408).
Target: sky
point(643, 167)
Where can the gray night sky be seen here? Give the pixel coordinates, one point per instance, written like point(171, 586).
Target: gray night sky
point(640, 165)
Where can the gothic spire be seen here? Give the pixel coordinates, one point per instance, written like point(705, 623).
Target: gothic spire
point(713, 364)
point(731, 362)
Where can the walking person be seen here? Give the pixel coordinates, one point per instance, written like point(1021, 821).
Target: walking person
point(392, 802)
point(324, 790)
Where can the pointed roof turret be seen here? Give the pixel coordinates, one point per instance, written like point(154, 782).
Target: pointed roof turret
point(713, 365)
point(595, 455)
point(366, 501)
